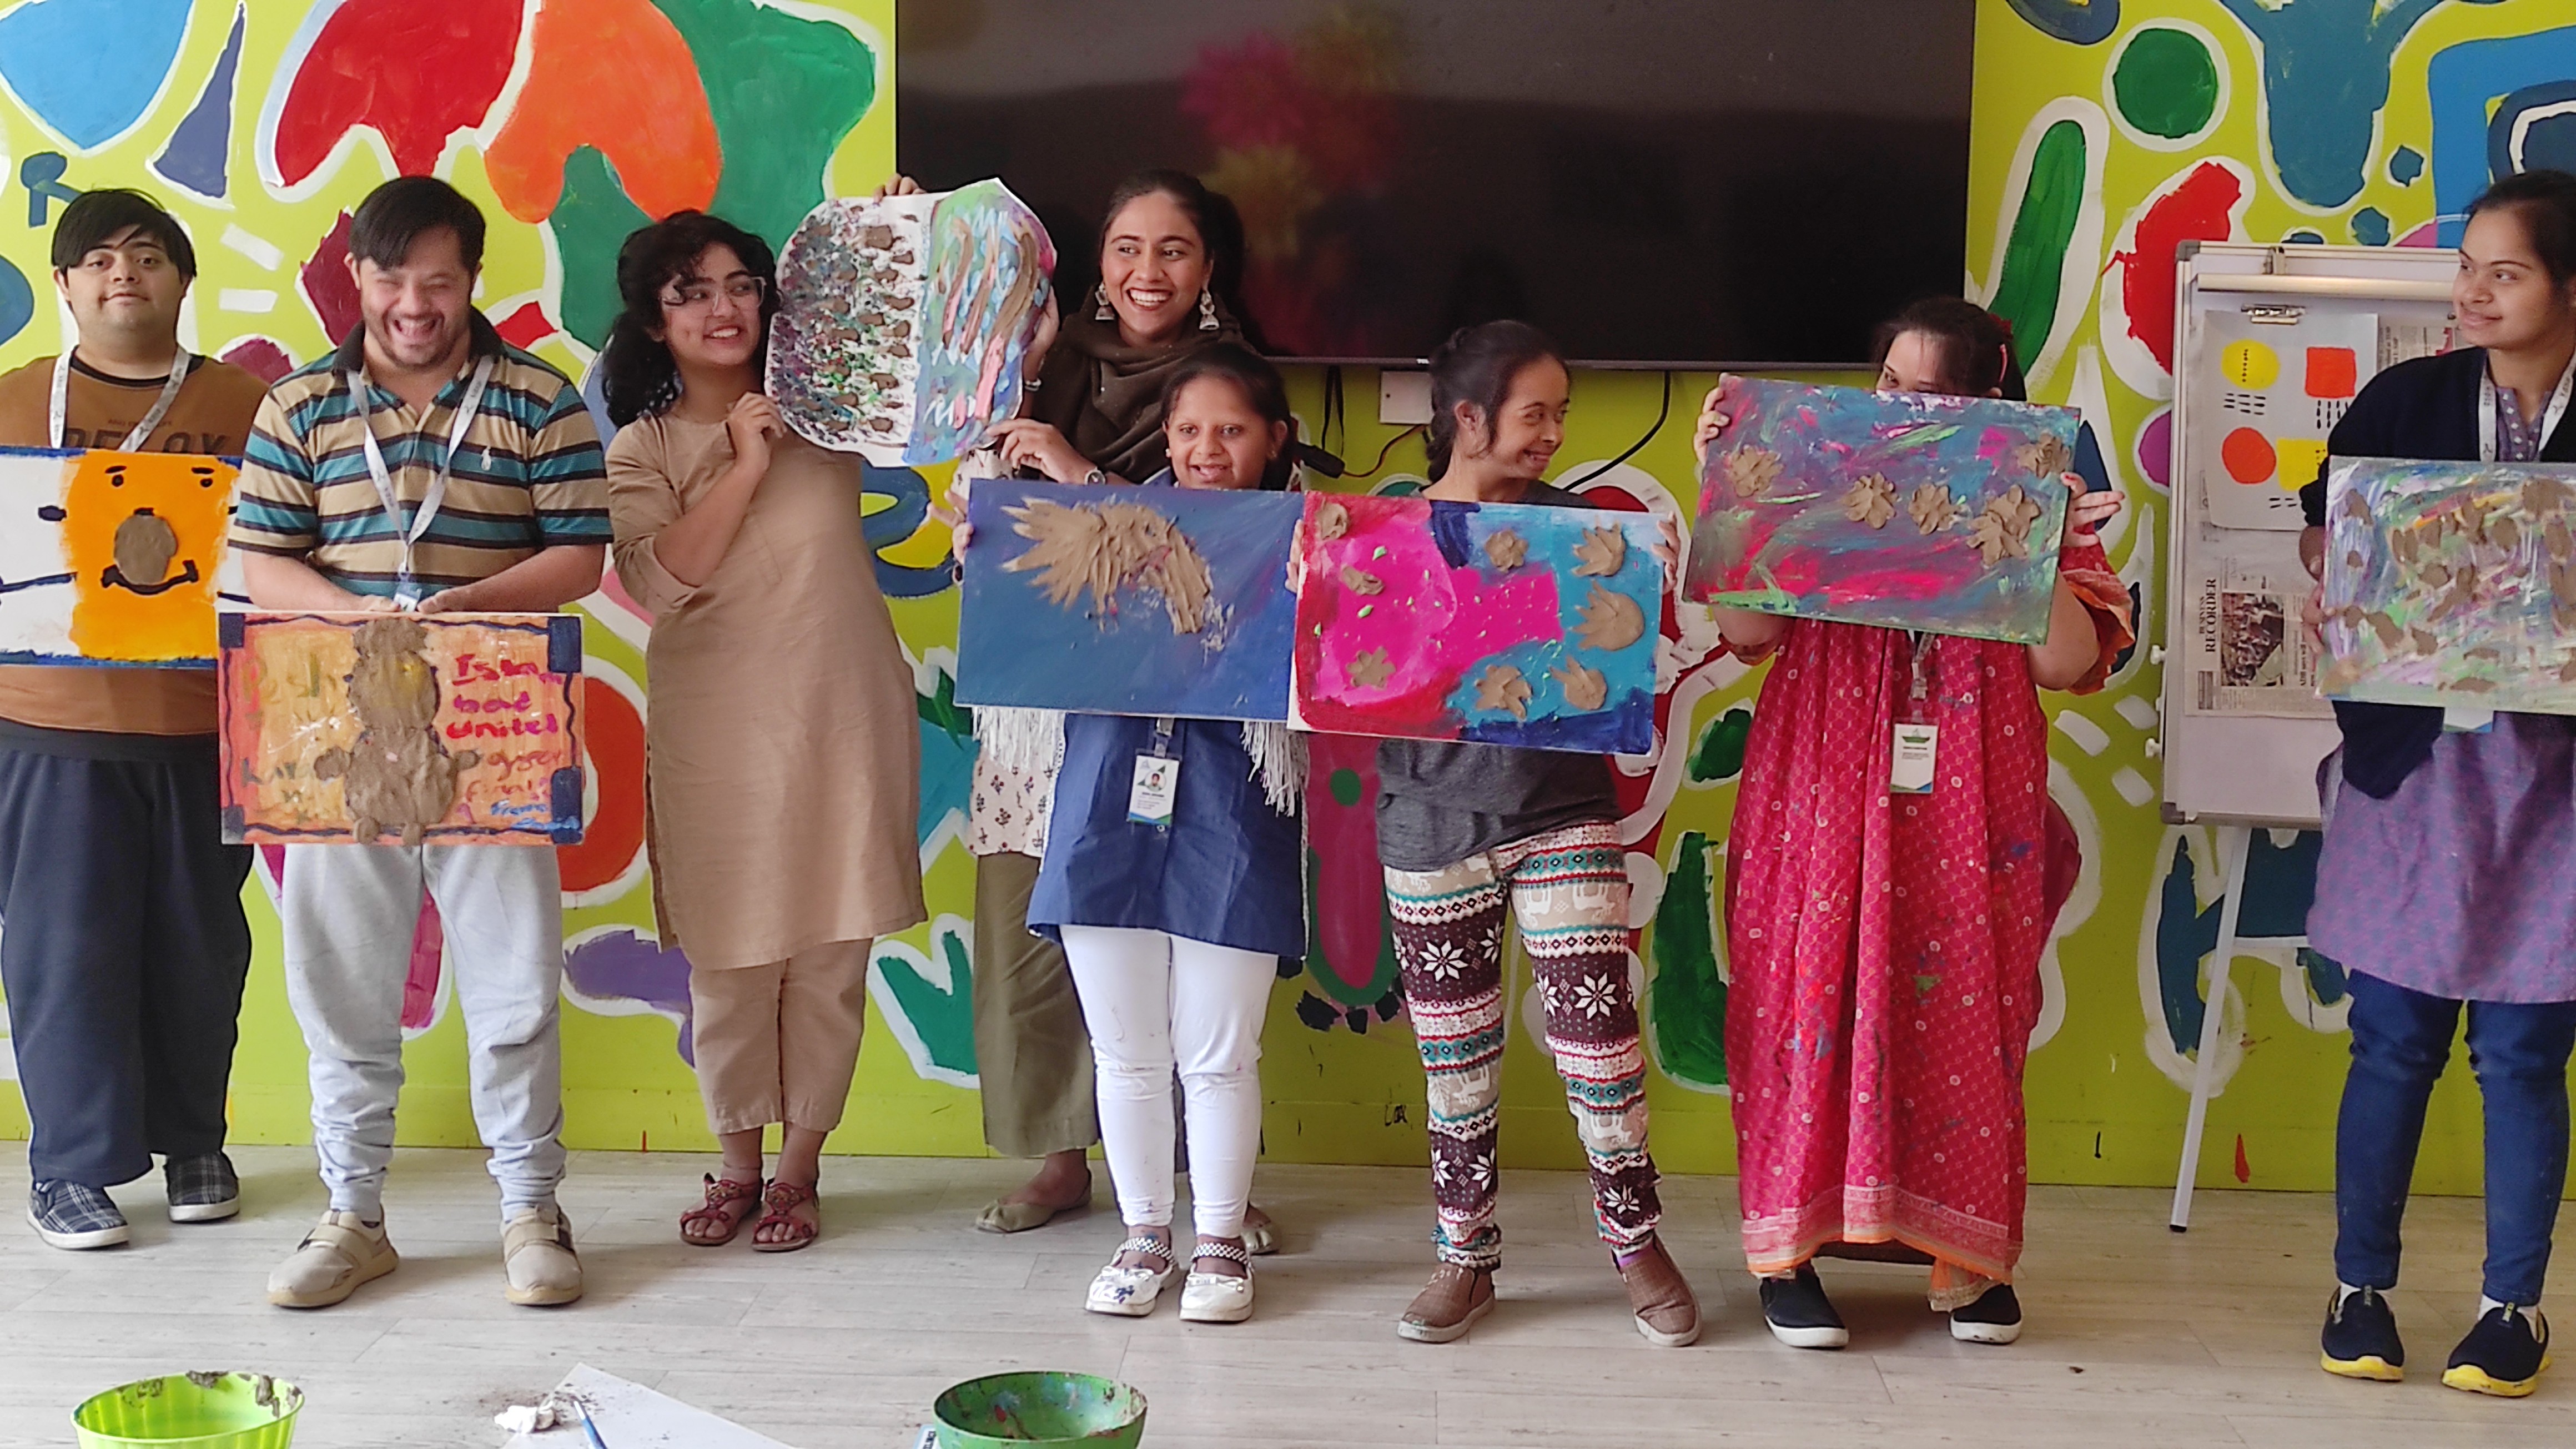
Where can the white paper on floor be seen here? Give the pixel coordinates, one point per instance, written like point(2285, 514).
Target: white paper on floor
point(631, 1416)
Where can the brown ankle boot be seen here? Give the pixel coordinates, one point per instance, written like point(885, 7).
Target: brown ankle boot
point(1448, 1305)
point(1667, 1313)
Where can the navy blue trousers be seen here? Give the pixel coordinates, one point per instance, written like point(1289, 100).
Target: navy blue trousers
point(123, 950)
point(2401, 1041)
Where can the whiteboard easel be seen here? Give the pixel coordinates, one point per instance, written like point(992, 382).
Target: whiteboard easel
point(2241, 773)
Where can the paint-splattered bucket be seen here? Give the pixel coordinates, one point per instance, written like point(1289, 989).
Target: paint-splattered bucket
point(1011, 1411)
point(199, 1411)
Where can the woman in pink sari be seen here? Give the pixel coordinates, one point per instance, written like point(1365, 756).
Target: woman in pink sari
point(1886, 945)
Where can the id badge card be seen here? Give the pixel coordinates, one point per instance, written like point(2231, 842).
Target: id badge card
point(1910, 768)
point(2467, 720)
point(407, 595)
point(1149, 797)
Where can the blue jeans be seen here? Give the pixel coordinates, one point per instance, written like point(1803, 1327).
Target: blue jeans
point(2401, 1041)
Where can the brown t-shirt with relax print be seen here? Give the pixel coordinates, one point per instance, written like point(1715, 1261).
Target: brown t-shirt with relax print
point(212, 414)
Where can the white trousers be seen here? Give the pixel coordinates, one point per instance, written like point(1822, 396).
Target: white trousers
point(350, 912)
point(1156, 1003)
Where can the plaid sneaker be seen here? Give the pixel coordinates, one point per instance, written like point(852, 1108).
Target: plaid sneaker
point(202, 1189)
point(74, 1215)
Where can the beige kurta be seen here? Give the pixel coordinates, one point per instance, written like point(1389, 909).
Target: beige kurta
point(783, 749)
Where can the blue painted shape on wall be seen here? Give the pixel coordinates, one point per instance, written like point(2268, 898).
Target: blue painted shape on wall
point(2370, 227)
point(889, 526)
point(2325, 79)
point(42, 175)
point(2463, 81)
point(89, 69)
point(2280, 883)
point(2082, 22)
point(2534, 130)
point(17, 300)
point(194, 157)
point(2405, 165)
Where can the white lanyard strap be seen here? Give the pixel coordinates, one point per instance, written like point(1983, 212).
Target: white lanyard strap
point(2488, 443)
point(60, 411)
point(426, 514)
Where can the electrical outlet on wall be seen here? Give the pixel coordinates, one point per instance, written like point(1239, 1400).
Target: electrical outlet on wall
point(1403, 398)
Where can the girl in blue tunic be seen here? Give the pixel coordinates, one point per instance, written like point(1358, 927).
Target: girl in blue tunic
point(1175, 904)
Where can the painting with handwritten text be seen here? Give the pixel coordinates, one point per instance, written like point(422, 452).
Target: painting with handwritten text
point(384, 728)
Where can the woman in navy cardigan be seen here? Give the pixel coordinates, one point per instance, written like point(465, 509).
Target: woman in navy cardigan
point(2447, 880)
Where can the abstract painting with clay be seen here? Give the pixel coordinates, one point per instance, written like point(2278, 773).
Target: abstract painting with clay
point(903, 322)
point(1503, 624)
point(1117, 600)
point(113, 558)
point(445, 729)
point(2451, 584)
point(1903, 510)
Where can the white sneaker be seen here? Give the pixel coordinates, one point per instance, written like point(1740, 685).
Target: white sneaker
point(536, 1251)
point(343, 1251)
point(1219, 1297)
point(1132, 1292)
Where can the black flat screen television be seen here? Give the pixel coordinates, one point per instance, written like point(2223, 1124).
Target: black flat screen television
point(1663, 183)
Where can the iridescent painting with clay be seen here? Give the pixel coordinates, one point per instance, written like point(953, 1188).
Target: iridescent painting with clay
point(1114, 600)
point(1506, 624)
point(1903, 510)
point(2451, 584)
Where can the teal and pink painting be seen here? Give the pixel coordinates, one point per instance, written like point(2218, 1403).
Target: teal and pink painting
point(2451, 584)
point(904, 322)
point(1104, 599)
point(1504, 624)
point(1901, 510)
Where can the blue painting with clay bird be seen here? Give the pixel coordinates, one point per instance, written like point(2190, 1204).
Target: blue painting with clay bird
point(1110, 599)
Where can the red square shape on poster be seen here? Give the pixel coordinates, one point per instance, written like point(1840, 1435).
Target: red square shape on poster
point(2333, 372)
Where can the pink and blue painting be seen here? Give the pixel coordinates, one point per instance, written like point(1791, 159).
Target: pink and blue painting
point(1118, 600)
point(904, 322)
point(2451, 584)
point(1902, 510)
point(1503, 624)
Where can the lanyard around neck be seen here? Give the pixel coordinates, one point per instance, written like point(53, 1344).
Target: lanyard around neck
point(2488, 442)
point(406, 592)
point(60, 411)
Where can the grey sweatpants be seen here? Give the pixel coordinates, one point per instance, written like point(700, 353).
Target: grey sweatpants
point(350, 913)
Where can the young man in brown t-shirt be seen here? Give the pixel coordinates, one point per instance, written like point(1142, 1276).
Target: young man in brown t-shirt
point(126, 948)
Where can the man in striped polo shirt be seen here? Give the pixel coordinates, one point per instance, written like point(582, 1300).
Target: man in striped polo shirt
point(425, 465)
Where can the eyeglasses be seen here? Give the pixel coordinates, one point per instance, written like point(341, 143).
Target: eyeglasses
point(697, 296)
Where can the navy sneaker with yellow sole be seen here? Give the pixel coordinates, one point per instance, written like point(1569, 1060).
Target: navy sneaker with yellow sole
point(2503, 1355)
point(2360, 1340)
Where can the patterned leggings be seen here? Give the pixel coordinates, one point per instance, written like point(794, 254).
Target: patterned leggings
point(1570, 890)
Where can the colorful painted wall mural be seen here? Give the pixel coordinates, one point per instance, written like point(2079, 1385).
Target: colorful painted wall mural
point(2106, 132)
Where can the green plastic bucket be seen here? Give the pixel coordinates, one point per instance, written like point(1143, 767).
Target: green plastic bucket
point(1012, 1411)
point(201, 1411)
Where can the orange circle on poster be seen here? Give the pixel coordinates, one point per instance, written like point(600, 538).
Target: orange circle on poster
point(2248, 457)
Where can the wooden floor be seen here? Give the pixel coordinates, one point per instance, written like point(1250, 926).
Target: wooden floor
point(2137, 1336)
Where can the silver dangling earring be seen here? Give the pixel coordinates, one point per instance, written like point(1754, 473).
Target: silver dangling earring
point(1207, 311)
point(1106, 313)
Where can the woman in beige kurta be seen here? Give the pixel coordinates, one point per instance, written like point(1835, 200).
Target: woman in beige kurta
point(783, 751)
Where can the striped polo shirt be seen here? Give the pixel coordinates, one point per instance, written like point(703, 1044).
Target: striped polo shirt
point(529, 476)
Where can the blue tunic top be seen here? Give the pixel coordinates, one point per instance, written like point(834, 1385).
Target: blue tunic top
point(1227, 870)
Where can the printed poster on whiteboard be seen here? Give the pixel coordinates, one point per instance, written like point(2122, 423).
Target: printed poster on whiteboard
point(2283, 378)
point(2244, 652)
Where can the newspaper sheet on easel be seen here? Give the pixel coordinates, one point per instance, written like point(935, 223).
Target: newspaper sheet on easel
point(2245, 652)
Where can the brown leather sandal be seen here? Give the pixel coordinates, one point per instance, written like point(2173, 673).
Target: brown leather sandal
point(779, 1206)
point(722, 1194)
